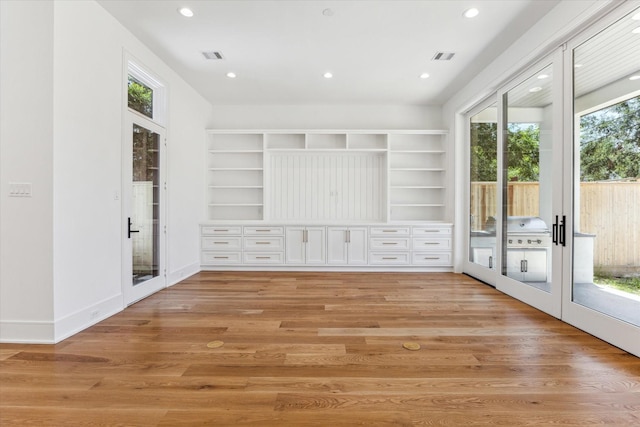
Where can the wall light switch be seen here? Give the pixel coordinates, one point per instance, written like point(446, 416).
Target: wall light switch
point(19, 189)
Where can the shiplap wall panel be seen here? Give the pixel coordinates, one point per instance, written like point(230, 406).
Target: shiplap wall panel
point(326, 186)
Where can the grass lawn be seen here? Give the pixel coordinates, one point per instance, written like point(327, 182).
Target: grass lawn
point(627, 284)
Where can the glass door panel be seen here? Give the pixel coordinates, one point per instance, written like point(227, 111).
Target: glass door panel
point(528, 169)
point(606, 184)
point(483, 190)
point(531, 187)
point(144, 220)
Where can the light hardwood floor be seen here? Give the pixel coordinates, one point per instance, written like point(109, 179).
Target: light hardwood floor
point(323, 349)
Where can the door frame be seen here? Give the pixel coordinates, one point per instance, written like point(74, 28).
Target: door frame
point(132, 293)
point(132, 66)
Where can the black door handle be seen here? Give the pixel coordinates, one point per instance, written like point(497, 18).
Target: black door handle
point(554, 234)
point(129, 230)
point(562, 238)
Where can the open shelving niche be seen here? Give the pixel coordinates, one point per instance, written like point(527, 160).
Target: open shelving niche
point(241, 180)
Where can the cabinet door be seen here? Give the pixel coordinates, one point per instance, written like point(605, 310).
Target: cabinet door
point(535, 265)
point(484, 257)
point(315, 246)
point(295, 246)
point(337, 245)
point(357, 245)
point(515, 258)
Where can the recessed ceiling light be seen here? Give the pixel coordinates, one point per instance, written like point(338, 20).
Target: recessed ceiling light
point(636, 30)
point(231, 75)
point(577, 66)
point(535, 89)
point(327, 12)
point(543, 76)
point(424, 75)
point(635, 77)
point(186, 12)
point(471, 13)
point(328, 75)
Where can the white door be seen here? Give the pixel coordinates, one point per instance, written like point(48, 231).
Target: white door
point(357, 245)
point(143, 209)
point(315, 245)
point(601, 293)
point(530, 158)
point(295, 245)
point(337, 245)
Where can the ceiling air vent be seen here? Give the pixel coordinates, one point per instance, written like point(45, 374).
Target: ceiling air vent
point(442, 56)
point(214, 55)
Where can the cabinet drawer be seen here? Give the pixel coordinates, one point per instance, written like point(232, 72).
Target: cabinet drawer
point(401, 244)
point(432, 258)
point(431, 231)
point(221, 230)
point(221, 243)
point(263, 231)
point(263, 257)
point(431, 244)
point(264, 243)
point(382, 258)
point(390, 231)
point(214, 258)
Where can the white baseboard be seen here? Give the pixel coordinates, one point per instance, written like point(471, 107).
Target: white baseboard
point(182, 273)
point(27, 332)
point(82, 319)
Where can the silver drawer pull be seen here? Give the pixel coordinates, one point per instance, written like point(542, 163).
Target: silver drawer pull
point(218, 231)
point(389, 231)
point(389, 243)
point(431, 243)
point(263, 231)
point(220, 257)
point(431, 257)
point(263, 257)
point(389, 257)
point(263, 243)
point(220, 243)
point(430, 231)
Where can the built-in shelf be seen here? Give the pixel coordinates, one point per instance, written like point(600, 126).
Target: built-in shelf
point(355, 176)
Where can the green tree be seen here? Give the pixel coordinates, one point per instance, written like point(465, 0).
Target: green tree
point(140, 97)
point(610, 142)
point(523, 153)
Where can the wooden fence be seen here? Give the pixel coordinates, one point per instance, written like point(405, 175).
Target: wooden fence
point(609, 210)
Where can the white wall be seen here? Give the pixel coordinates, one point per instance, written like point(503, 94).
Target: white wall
point(26, 155)
point(327, 117)
point(67, 248)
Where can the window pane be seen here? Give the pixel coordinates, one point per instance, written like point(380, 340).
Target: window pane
point(140, 97)
point(606, 238)
point(484, 191)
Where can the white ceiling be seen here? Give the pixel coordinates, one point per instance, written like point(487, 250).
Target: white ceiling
point(280, 50)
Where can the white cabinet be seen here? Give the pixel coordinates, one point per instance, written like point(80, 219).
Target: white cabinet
point(374, 247)
point(305, 245)
point(527, 265)
point(347, 245)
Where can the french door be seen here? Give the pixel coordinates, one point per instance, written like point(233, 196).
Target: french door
point(565, 233)
point(143, 212)
point(601, 292)
point(530, 200)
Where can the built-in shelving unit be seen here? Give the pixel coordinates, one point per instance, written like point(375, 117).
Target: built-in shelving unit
point(348, 176)
point(416, 176)
point(235, 170)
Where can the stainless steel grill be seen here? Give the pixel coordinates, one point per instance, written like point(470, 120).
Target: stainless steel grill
point(527, 232)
